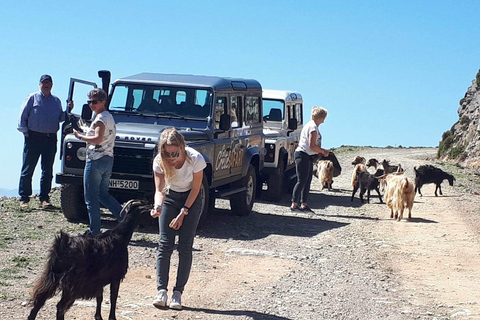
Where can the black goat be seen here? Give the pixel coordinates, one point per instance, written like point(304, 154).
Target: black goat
point(366, 182)
point(80, 266)
point(429, 174)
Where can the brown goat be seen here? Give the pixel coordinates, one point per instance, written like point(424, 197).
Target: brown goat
point(399, 195)
point(359, 163)
point(325, 173)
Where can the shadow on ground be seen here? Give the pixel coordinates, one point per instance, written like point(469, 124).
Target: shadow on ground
point(243, 313)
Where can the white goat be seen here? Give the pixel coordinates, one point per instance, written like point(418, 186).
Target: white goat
point(399, 195)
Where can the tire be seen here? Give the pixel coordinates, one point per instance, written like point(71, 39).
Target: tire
point(204, 194)
point(275, 182)
point(242, 202)
point(72, 203)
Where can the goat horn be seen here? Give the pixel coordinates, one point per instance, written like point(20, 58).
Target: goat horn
point(127, 204)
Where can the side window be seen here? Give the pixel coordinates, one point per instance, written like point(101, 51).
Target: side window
point(235, 103)
point(298, 113)
point(252, 110)
point(220, 108)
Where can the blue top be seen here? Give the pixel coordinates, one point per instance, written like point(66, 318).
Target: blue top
point(41, 114)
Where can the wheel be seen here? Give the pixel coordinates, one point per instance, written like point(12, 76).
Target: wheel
point(72, 202)
point(275, 182)
point(204, 194)
point(242, 202)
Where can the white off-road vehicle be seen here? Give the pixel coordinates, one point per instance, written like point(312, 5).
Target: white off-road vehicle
point(282, 124)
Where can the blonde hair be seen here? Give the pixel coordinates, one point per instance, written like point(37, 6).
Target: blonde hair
point(319, 113)
point(170, 137)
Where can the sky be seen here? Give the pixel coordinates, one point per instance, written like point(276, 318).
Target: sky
point(390, 73)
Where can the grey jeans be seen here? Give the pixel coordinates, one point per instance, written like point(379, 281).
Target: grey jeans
point(174, 202)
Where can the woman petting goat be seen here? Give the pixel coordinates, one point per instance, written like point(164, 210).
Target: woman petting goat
point(100, 139)
point(178, 174)
point(309, 147)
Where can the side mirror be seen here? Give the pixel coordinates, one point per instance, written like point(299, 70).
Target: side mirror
point(86, 112)
point(224, 122)
point(292, 124)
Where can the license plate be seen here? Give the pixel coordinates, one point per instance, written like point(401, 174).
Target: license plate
point(124, 184)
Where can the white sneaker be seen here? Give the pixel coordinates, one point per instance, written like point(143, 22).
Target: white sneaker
point(160, 299)
point(176, 302)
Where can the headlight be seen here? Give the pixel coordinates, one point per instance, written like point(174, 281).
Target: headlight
point(82, 153)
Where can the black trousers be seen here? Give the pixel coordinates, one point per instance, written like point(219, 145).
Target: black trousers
point(304, 167)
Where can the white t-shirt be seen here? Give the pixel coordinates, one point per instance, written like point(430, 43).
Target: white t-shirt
point(303, 144)
point(183, 179)
point(105, 148)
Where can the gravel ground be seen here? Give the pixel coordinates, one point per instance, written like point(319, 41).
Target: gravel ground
point(338, 263)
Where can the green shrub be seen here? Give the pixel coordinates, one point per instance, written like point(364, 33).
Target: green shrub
point(465, 120)
point(446, 134)
point(456, 152)
point(478, 79)
point(444, 145)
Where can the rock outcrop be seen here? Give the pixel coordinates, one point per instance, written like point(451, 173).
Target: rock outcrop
point(461, 144)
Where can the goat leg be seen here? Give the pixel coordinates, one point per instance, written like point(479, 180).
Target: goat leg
point(362, 192)
point(64, 304)
point(98, 309)
point(39, 302)
point(379, 195)
point(114, 287)
point(353, 193)
point(420, 192)
point(400, 215)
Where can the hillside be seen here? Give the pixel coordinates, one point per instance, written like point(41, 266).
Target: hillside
point(461, 144)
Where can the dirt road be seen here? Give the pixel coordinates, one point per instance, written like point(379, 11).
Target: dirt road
point(346, 261)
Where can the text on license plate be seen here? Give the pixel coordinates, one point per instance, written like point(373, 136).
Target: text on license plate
point(124, 184)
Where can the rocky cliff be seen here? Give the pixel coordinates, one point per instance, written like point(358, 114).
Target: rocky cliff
point(461, 144)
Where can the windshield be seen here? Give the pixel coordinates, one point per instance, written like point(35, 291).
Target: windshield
point(161, 101)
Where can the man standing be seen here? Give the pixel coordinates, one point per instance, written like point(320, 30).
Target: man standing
point(40, 116)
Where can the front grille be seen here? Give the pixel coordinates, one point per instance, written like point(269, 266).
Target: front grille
point(133, 161)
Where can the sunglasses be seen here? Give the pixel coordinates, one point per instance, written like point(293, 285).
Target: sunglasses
point(174, 154)
point(93, 101)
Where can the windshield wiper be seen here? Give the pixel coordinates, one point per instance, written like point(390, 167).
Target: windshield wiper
point(131, 113)
point(170, 114)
